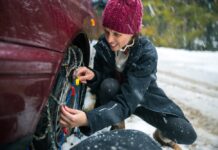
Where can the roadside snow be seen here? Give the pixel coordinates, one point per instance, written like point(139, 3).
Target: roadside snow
point(190, 79)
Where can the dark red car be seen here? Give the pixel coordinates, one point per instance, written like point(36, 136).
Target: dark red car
point(42, 42)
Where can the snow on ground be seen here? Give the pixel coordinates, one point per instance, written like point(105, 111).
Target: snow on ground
point(190, 78)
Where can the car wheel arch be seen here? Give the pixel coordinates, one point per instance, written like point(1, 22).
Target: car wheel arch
point(81, 41)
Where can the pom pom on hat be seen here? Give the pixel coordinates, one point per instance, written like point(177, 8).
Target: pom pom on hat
point(124, 16)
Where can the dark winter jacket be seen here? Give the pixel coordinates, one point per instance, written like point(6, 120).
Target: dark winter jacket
point(138, 89)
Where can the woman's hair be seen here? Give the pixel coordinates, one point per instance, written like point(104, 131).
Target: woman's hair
point(136, 36)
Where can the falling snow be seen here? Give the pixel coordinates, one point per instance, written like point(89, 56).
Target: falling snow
point(190, 79)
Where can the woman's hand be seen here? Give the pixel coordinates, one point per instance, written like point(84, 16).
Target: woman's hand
point(72, 117)
point(84, 74)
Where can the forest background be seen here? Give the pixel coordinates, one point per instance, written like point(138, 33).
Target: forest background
point(182, 24)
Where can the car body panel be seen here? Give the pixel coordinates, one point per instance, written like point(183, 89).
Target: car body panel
point(49, 23)
point(21, 102)
point(33, 38)
point(26, 75)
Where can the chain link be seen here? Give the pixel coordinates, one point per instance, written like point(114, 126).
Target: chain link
point(72, 52)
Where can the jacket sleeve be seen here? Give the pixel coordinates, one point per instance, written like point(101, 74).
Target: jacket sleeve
point(98, 70)
point(139, 76)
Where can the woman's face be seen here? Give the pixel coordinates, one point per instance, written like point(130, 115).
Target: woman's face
point(117, 40)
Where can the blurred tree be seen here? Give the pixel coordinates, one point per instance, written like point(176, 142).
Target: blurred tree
point(93, 25)
point(190, 24)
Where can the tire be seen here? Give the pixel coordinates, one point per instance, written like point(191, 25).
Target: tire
point(118, 140)
point(49, 135)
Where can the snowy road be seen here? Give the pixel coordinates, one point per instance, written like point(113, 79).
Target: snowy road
point(191, 80)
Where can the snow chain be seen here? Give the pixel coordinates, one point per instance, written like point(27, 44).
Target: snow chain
point(72, 60)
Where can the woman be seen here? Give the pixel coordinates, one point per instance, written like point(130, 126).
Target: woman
point(124, 80)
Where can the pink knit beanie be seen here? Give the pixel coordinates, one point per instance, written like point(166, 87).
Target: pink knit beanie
point(124, 16)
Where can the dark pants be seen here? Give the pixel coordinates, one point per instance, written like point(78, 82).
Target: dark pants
point(172, 127)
